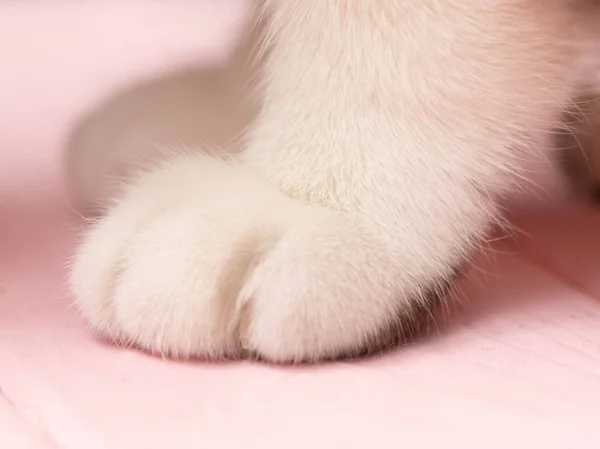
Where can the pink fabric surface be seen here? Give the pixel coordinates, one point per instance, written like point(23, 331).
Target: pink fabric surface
point(516, 364)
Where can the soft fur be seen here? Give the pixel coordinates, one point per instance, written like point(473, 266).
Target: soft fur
point(379, 142)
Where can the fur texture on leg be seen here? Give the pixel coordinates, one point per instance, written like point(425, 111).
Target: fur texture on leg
point(386, 133)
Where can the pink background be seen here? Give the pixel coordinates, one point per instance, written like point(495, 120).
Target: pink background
point(517, 366)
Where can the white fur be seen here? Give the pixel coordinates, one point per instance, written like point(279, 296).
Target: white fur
point(386, 132)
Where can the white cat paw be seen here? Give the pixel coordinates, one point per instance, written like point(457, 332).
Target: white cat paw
point(202, 258)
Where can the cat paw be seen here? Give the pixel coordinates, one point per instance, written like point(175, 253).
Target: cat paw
point(203, 259)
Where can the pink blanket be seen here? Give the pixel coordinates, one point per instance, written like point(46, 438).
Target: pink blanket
point(515, 365)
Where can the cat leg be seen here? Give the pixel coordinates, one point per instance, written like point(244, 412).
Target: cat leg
point(371, 173)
